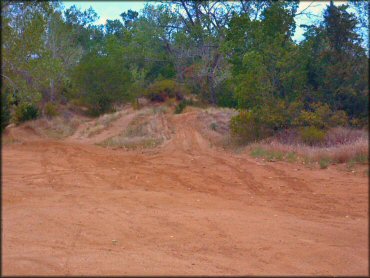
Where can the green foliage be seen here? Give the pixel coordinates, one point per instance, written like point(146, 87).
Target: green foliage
point(321, 116)
point(164, 89)
point(102, 81)
point(214, 126)
point(312, 135)
point(338, 118)
point(248, 127)
point(50, 110)
point(5, 111)
point(324, 163)
point(25, 112)
point(181, 106)
point(269, 155)
point(291, 157)
point(360, 159)
point(239, 55)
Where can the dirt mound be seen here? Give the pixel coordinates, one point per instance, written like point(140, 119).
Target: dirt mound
point(214, 124)
point(106, 126)
point(20, 134)
point(73, 208)
point(148, 129)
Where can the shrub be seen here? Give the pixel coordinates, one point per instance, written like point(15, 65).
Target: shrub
point(324, 163)
point(258, 152)
point(25, 112)
point(214, 126)
point(50, 110)
point(181, 106)
point(248, 127)
point(101, 81)
point(164, 89)
point(291, 157)
point(5, 111)
point(339, 118)
point(360, 158)
point(135, 104)
point(318, 116)
point(312, 136)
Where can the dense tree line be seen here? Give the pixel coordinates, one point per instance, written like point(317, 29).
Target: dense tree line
point(235, 54)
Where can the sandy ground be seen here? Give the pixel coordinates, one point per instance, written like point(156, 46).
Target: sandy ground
point(185, 208)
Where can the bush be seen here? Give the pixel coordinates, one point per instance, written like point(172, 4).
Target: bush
point(135, 104)
point(25, 112)
point(181, 106)
point(50, 110)
point(101, 81)
point(214, 126)
point(5, 112)
point(249, 127)
point(312, 136)
point(317, 117)
point(164, 89)
point(324, 163)
point(339, 118)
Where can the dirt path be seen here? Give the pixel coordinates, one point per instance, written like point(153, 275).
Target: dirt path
point(185, 209)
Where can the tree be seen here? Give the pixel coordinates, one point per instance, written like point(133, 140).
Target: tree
point(337, 63)
point(102, 78)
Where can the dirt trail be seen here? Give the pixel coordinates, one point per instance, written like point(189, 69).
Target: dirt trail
point(73, 208)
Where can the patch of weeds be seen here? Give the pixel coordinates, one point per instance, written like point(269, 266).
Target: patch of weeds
point(358, 159)
point(119, 142)
point(361, 159)
point(258, 152)
point(268, 155)
point(102, 123)
point(214, 126)
point(350, 165)
point(278, 155)
point(291, 157)
point(324, 163)
point(307, 160)
point(56, 128)
point(159, 110)
point(181, 106)
point(137, 128)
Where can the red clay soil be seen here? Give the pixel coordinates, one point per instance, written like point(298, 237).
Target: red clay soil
point(72, 208)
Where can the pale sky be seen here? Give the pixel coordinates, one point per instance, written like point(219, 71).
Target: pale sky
point(113, 9)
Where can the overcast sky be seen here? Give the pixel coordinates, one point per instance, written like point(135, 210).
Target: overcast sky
point(112, 10)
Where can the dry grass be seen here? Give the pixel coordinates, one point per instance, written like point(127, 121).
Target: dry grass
point(355, 152)
point(101, 123)
point(9, 140)
point(214, 124)
point(56, 128)
point(148, 129)
point(341, 145)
